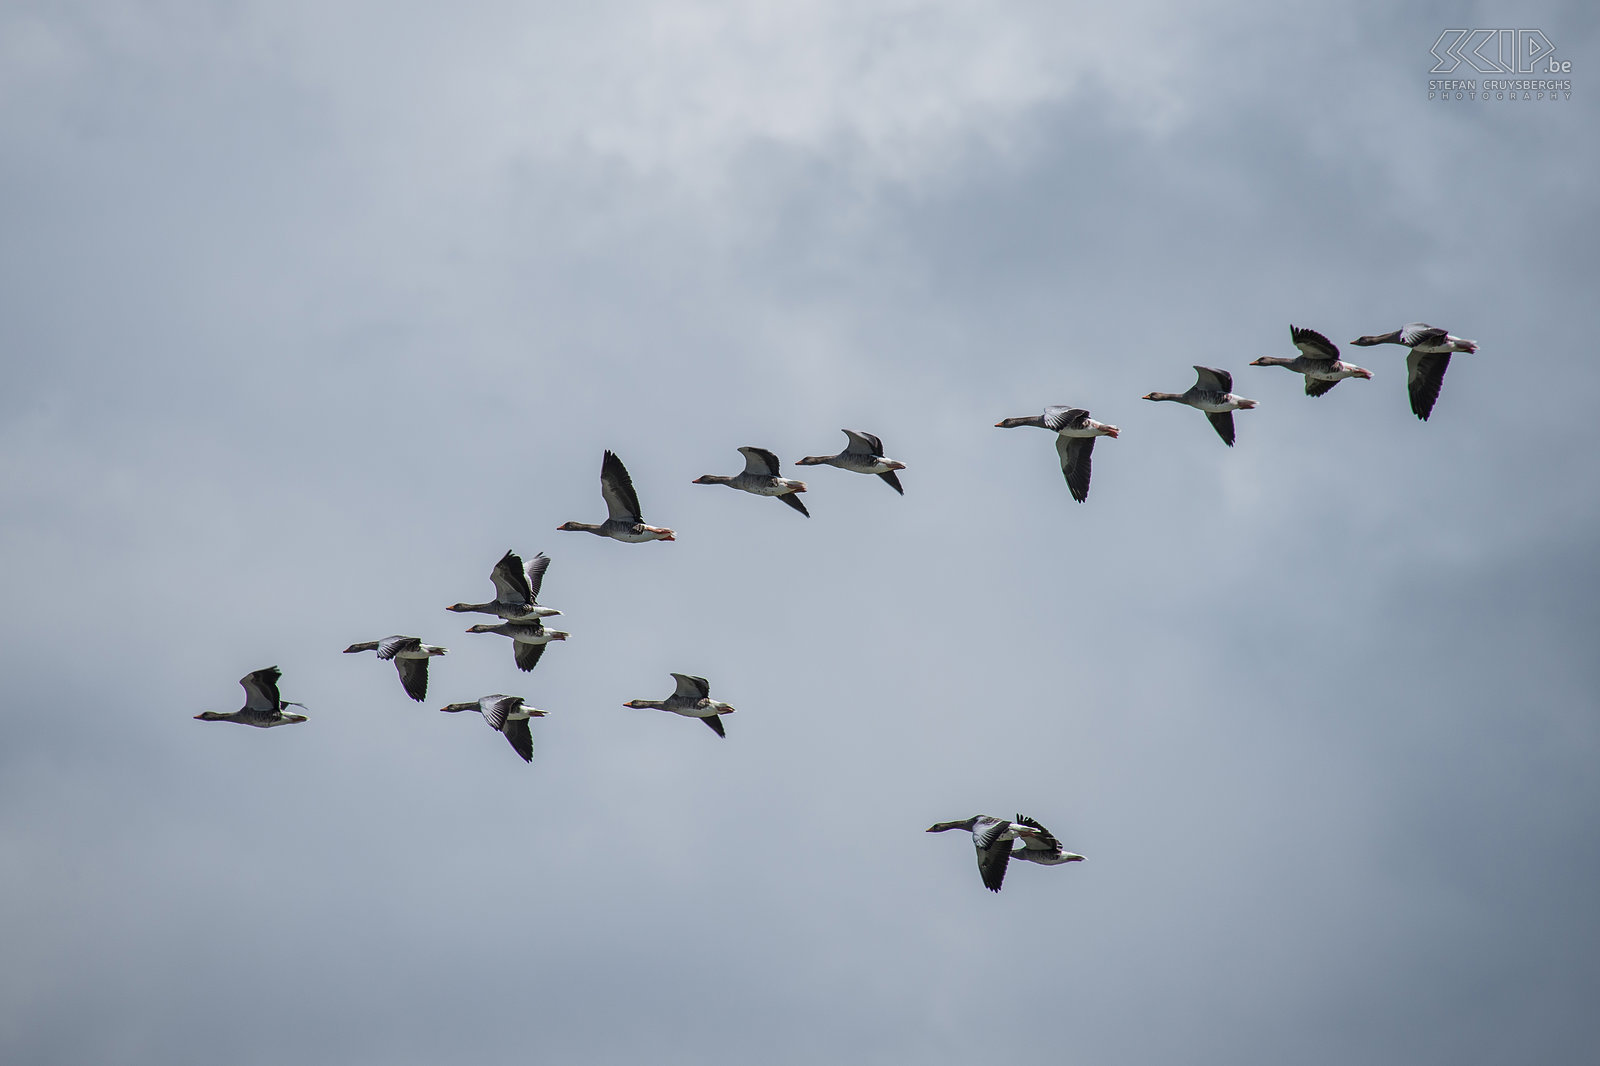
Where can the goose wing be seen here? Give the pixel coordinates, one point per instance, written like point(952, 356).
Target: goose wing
point(509, 584)
point(413, 677)
point(527, 655)
point(535, 574)
point(691, 687)
point(1312, 344)
point(521, 737)
point(497, 709)
point(994, 851)
point(1415, 333)
point(261, 690)
point(1057, 418)
point(1045, 841)
point(759, 461)
point(389, 647)
point(894, 482)
point(1222, 422)
point(616, 487)
point(715, 722)
point(1316, 386)
point(1213, 380)
point(1425, 377)
point(1076, 453)
point(863, 443)
point(796, 502)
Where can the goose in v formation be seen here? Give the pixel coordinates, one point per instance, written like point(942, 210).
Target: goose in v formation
point(692, 699)
point(263, 706)
point(507, 714)
point(1429, 359)
point(862, 455)
point(410, 657)
point(1212, 393)
point(760, 476)
point(1318, 360)
point(1075, 433)
point(516, 590)
point(624, 521)
point(992, 837)
point(528, 639)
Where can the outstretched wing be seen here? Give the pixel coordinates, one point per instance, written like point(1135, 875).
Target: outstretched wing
point(759, 461)
point(389, 647)
point(261, 690)
point(521, 738)
point(796, 502)
point(1222, 422)
point(1214, 380)
point(1415, 333)
point(1045, 841)
point(894, 482)
point(1313, 344)
point(413, 677)
point(527, 655)
point(1058, 418)
point(1425, 377)
point(509, 584)
point(691, 687)
point(536, 568)
point(994, 851)
point(715, 722)
point(1316, 386)
point(497, 709)
point(863, 443)
point(616, 487)
point(1076, 453)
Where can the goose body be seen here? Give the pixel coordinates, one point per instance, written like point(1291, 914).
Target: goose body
point(1318, 361)
point(863, 454)
point(1211, 393)
point(692, 699)
point(760, 476)
point(263, 706)
point(528, 639)
point(1429, 359)
point(1075, 433)
point(410, 657)
point(1042, 847)
point(516, 590)
point(992, 837)
point(623, 521)
point(507, 714)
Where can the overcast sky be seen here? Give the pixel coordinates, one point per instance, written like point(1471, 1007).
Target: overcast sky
point(308, 312)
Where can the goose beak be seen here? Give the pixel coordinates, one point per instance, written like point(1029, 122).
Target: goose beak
point(1113, 432)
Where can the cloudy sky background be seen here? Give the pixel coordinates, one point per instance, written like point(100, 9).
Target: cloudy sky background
point(309, 315)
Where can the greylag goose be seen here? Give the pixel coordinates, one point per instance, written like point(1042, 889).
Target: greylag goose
point(516, 590)
point(263, 707)
point(528, 639)
point(760, 476)
point(509, 716)
point(692, 699)
point(992, 836)
point(1212, 393)
point(862, 455)
point(1429, 359)
point(1318, 361)
point(623, 520)
point(1042, 847)
point(410, 657)
point(1075, 433)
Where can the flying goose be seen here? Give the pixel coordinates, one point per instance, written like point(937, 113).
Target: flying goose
point(862, 455)
point(1212, 393)
point(1042, 848)
point(507, 714)
point(516, 590)
point(760, 476)
point(1075, 433)
point(528, 639)
point(992, 836)
point(1318, 361)
point(1429, 359)
point(263, 707)
point(410, 657)
point(623, 522)
point(692, 699)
